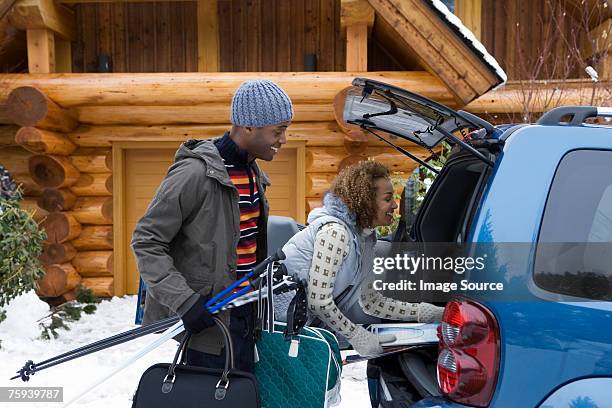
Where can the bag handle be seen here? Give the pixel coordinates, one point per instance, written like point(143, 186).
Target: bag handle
point(223, 384)
point(270, 299)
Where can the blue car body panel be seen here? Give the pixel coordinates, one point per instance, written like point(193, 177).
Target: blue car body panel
point(585, 393)
point(547, 340)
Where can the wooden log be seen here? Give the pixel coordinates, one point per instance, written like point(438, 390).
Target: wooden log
point(28, 186)
point(171, 89)
point(32, 14)
point(329, 159)
point(312, 203)
point(542, 96)
point(101, 287)
point(7, 136)
point(356, 12)
point(314, 133)
point(339, 102)
point(15, 159)
point(56, 253)
point(353, 146)
point(94, 210)
point(92, 160)
point(318, 183)
point(61, 227)
point(58, 279)
point(93, 184)
point(350, 160)
point(211, 113)
point(30, 205)
point(94, 263)
point(54, 200)
point(52, 171)
point(66, 297)
point(44, 141)
point(324, 159)
point(27, 106)
point(94, 237)
point(396, 161)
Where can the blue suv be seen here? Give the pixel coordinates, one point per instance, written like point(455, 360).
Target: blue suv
point(540, 197)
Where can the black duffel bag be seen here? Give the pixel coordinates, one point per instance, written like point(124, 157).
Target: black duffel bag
point(179, 385)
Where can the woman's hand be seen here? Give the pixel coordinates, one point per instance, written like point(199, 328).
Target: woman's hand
point(367, 343)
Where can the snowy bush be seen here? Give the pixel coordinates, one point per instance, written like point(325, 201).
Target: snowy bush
point(20, 244)
point(69, 312)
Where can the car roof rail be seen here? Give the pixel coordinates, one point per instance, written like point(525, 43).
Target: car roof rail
point(577, 115)
point(477, 120)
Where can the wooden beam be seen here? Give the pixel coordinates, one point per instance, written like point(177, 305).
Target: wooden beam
point(208, 36)
point(5, 6)
point(441, 50)
point(177, 88)
point(44, 14)
point(211, 113)
point(63, 56)
point(542, 96)
point(470, 13)
point(120, 1)
point(354, 12)
point(357, 47)
point(41, 51)
point(358, 18)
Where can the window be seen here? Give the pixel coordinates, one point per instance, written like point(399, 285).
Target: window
point(574, 253)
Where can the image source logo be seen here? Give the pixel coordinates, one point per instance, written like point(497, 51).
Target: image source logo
point(436, 272)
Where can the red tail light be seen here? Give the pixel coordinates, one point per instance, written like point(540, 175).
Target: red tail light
point(468, 360)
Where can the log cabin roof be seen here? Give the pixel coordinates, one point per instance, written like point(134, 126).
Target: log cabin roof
point(428, 31)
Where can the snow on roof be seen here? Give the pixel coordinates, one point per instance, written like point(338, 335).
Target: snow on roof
point(470, 39)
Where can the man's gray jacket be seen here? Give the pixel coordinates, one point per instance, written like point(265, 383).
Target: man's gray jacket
point(185, 244)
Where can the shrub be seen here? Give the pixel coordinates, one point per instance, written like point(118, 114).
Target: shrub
point(20, 244)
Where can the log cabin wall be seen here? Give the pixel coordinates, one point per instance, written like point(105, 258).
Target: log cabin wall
point(517, 33)
point(255, 36)
point(280, 35)
point(138, 37)
point(64, 155)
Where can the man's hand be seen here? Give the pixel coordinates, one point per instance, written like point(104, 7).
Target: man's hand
point(198, 318)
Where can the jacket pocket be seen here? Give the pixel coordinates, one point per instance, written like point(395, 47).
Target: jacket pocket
point(199, 267)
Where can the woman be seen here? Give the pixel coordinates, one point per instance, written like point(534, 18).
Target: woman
point(335, 255)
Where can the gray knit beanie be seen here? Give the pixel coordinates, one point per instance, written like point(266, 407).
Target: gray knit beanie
point(260, 103)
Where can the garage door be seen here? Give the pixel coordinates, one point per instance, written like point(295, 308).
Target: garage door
point(145, 169)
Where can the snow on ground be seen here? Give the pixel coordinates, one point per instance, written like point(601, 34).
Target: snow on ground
point(19, 334)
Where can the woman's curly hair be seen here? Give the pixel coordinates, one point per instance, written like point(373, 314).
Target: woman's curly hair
point(356, 187)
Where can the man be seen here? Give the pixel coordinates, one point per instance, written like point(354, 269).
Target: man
point(206, 225)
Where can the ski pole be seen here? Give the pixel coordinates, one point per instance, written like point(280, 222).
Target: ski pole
point(30, 368)
point(167, 335)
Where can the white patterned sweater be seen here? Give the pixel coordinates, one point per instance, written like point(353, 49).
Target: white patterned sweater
point(330, 249)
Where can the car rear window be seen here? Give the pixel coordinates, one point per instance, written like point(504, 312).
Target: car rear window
point(574, 252)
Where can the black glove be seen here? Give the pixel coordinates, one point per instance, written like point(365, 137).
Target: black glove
point(198, 318)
